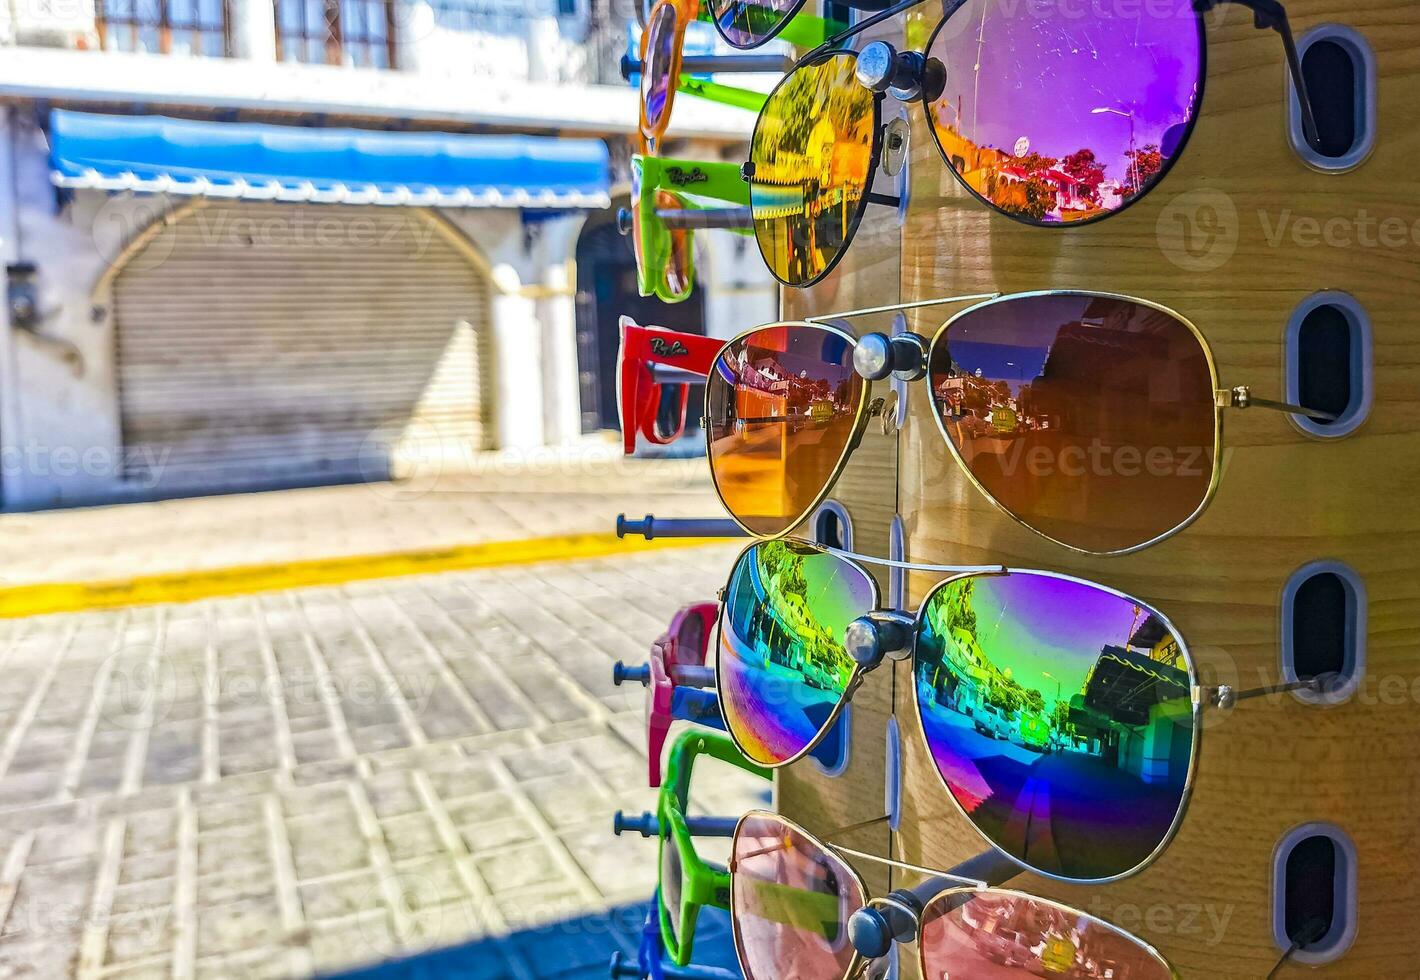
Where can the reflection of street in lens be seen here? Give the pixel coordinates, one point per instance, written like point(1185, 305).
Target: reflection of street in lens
point(812, 154)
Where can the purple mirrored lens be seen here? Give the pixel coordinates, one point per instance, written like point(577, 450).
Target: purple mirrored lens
point(782, 667)
point(749, 23)
point(1052, 112)
point(656, 76)
point(1061, 717)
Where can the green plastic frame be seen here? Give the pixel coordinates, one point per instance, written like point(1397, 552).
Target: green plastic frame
point(687, 181)
point(702, 883)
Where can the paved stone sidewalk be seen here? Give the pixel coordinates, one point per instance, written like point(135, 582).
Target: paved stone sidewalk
point(298, 782)
point(505, 497)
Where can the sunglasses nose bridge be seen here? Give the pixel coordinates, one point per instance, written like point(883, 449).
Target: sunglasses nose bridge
point(883, 921)
point(868, 639)
point(877, 356)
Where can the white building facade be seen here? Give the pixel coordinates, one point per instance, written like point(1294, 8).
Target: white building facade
point(181, 328)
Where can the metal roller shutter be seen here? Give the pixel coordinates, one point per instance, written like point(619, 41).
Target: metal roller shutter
point(263, 345)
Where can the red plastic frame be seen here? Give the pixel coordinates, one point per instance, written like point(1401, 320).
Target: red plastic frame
point(639, 395)
point(668, 653)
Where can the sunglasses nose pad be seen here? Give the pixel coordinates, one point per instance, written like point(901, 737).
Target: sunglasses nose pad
point(896, 137)
point(887, 409)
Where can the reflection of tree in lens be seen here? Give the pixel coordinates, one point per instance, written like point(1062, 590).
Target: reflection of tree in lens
point(812, 153)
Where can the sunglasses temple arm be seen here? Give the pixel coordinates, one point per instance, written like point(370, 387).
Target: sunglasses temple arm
point(867, 23)
point(897, 917)
point(1242, 397)
point(1271, 14)
point(700, 707)
point(691, 219)
point(1225, 696)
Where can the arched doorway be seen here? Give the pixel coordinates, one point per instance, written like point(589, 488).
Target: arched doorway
point(263, 345)
point(606, 291)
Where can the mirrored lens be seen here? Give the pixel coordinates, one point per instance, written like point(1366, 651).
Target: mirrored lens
point(657, 70)
point(670, 406)
point(812, 152)
point(1089, 418)
point(1006, 935)
point(1060, 717)
point(791, 900)
point(783, 404)
point(691, 640)
point(749, 23)
point(782, 667)
point(672, 886)
point(1051, 116)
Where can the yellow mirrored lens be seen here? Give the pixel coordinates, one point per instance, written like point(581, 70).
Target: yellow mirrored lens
point(812, 152)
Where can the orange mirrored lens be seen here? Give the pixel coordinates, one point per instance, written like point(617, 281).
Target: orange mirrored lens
point(783, 404)
point(678, 262)
point(812, 152)
point(1089, 418)
point(1007, 935)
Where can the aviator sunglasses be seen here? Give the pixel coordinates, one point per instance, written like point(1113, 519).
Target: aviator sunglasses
point(1043, 114)
point(1063, 717)
point(1093, 419)
point(793, 897)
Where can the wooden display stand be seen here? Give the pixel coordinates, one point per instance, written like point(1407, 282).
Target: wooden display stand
point(1286, 499)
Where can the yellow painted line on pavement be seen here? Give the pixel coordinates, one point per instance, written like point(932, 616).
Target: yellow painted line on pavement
point(146, 590)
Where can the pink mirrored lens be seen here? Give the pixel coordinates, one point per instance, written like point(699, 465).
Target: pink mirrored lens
point(791, 900)
point(1002, 935)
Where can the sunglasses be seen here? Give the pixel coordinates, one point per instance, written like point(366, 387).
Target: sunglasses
point(1093, 419)
point(1062, 716)
point(1044, 115)
point(795, 902)
point(662, 62)
point(667, 199)
point(643, 401)
point(688, 883)
point(675, 678)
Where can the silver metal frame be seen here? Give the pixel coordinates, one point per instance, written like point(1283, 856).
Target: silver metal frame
point(1222, 697)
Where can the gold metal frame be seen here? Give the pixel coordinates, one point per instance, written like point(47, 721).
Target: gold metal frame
point(1214, 476)
point(1236, 397)
point(859, 963)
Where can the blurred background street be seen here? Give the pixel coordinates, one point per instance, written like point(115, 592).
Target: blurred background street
point(310, 779)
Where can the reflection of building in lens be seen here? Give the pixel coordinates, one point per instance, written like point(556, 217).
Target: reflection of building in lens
point(780, 620)
point(1136, 709)
point(1047, 189)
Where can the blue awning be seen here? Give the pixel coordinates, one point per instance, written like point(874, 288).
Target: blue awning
point(253, 161)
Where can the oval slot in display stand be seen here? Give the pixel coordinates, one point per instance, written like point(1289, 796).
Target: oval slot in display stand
point(1340, 69)
point(1314, 894)
point(1324, 629)
point(1328, 360)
